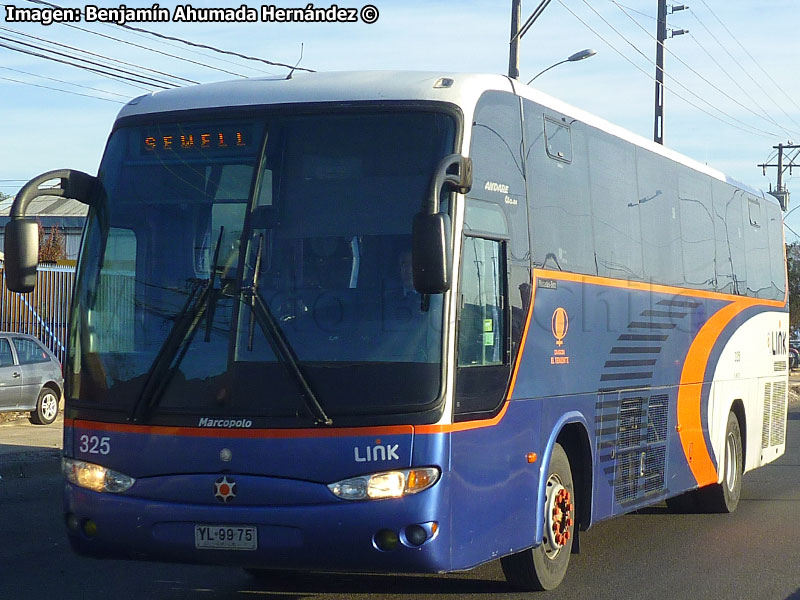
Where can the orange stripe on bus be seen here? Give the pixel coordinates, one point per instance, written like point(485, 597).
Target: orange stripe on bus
point(240, 433)
point(655, 288)
point(740, 302)
point(690, 419)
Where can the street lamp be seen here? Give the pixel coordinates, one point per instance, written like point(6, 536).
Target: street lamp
point(588, 53)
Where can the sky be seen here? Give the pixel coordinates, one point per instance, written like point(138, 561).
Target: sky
point(733, 90)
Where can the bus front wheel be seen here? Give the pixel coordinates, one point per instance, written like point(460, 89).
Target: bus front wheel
point(544, 567)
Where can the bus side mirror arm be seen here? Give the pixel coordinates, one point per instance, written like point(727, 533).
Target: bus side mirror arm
point(22, 234)
point(432, 249)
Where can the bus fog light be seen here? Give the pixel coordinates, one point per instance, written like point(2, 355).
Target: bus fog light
point(72, 522)
point(416, 535)
point(386, 540)
point(90, 528)
point(95, 477)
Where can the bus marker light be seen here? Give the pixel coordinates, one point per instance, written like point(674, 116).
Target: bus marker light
point(531, 457)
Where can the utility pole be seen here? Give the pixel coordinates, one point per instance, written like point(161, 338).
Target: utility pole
point(781, 192)
point(658, 129)
point(661, 37)
point(513, 57)
point(518, 31)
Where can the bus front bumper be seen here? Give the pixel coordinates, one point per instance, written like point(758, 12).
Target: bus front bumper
point(340, 536)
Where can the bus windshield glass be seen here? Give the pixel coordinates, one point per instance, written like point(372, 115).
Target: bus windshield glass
point(219, 241)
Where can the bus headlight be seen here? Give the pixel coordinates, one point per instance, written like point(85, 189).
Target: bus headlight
point(387, 484)
point(94, 477)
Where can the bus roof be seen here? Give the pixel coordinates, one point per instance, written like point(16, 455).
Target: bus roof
point(462, 89)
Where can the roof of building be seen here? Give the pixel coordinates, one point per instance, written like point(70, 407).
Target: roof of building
point(49, 211)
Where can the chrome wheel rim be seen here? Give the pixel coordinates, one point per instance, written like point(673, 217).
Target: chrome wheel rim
point(49, 406)
point(559, 516)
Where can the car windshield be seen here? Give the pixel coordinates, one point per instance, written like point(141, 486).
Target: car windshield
point(211, 227)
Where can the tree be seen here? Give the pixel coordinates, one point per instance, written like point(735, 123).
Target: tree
point(4, 196)
point(53, 246)
point(793, 268)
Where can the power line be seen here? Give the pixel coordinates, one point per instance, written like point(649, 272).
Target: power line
point(116, 39)
point(144, 79)
point(194, 44)
point(792, 230)
point(638, 12)
point(58, 60)
point(685, 64)
point(122, 62)
point(731, 77)
point(62, 81)
point(229, 52)
point(735, 39)
point(47, 87)
point(751, 130)
point(175, 56)
point(203, 54)
point(745, 71)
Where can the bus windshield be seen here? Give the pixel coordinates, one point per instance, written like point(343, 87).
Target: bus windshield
point(212, 230)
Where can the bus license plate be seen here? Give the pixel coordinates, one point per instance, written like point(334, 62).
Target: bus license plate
point(225, 537)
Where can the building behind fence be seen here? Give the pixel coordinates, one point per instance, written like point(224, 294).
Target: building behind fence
point(45, 311)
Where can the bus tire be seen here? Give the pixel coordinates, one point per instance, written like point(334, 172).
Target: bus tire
point(724, 497)
point(544, 567)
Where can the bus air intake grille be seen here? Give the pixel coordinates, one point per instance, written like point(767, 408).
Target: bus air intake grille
point(631, 413)
point(655, 466)
point(780, 366)
point(657, 419)
point(777, 428)
point(767, 413)
point(626, 477)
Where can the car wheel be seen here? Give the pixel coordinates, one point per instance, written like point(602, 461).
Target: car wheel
point(543, 567)
point(46, 407)
point(794, 358)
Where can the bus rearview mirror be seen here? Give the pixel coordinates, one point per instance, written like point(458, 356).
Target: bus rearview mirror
point(22, 234)
point(431, 258)
point(21, 254)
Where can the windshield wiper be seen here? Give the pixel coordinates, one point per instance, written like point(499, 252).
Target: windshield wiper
point(186, 322)
point(282, 349)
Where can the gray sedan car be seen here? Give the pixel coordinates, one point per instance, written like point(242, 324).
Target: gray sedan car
point(30, 378)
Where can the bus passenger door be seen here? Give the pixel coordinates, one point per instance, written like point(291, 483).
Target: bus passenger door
point(483, 362)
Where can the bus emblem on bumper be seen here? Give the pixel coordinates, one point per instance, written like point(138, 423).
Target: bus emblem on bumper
point(224, 489)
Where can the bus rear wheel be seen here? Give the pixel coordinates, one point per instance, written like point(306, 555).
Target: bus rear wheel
point(544, 567)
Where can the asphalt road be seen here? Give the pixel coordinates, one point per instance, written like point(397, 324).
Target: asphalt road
point(754, 553)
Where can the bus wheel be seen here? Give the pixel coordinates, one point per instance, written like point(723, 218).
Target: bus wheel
point(543, 567)
point(724, 497)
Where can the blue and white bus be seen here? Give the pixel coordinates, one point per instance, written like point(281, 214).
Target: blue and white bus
point(405, 322)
